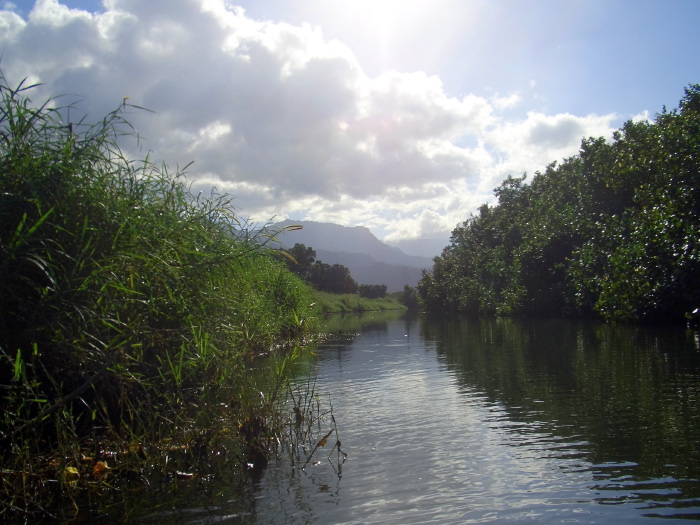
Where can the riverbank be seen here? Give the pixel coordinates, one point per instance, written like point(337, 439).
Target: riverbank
point(131, 316)
point(328, 303)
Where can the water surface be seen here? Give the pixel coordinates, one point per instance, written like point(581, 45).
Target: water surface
point(484, 421)
point(481, 421)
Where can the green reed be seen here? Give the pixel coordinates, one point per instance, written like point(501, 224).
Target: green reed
point(129, 307)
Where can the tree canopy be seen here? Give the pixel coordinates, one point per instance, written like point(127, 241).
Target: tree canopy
point(334, 278)
point(612, 231)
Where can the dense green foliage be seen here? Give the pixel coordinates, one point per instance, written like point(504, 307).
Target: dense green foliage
point(300, 259)
point(337, 291)
point(408, 297)
point(324, 277)
point(124, 299)
point(332, 278)
point(329, 303)
point(613, 231)
point(372, 291)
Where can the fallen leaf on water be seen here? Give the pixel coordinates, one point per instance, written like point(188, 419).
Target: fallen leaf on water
point(137, 448)
point(71, 471)
point(100, 469)
point(70, 475)
point(324, 439)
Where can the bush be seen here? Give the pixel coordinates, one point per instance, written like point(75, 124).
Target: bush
point(124, 298)
point(611, 232)
point(328, 303)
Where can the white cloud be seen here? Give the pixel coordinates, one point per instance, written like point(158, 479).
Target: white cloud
point(530, 144)
point(52, 14)
point(506, 102)
point(431, 223)
point(11, 25)
point(642, 117)
point(283, 118)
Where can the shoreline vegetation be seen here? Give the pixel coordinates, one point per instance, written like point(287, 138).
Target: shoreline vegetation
point(132, 320)
point(144, 336)
point(330, 303)
point(612, 232)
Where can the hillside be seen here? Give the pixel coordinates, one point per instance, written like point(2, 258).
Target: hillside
point(369, 260)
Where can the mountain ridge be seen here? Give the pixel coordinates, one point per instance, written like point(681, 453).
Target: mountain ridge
point(369, 260)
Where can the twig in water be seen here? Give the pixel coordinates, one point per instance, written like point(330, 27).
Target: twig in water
point(322, 443)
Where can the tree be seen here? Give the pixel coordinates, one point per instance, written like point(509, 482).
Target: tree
point(333, 279)
point(302, 259)
point(612, 231)
point(372, 291)
point(409, 297)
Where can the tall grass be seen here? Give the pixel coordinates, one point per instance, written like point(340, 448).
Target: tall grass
point(329, 303)
point(127, 304)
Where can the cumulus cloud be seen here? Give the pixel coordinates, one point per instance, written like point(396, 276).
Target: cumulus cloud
point(281, 117)
point(644, 116)
point(530, 143)
point(506, 102)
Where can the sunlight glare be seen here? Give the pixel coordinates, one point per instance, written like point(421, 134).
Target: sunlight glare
point(390, 34)
point(389, 17)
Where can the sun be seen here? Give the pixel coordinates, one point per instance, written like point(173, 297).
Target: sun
point(388, 17)
point(381, 25)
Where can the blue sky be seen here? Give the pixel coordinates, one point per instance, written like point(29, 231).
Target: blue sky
point(401, 116)
point(622, 56)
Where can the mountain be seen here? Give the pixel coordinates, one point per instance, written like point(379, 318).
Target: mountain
point(423, 247)
point(356, 239)
point(369, 260)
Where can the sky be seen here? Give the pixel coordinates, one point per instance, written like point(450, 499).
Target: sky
point(398, 115)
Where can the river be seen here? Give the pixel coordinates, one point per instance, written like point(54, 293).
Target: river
point(490, 421)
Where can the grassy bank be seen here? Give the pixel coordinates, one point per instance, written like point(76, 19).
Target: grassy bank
point(129, 312)
point(328, 303)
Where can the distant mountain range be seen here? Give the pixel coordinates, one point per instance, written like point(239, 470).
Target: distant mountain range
point(423, 247)
point(369, 260)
